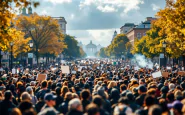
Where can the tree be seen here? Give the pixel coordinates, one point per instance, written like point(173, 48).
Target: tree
point(72, 50)
point(149, 45)
point(102, 53)
point(7, 16)
point(44, 31)
point(119, 46)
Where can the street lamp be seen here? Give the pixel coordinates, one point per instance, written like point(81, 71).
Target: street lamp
point(164, 46)
point(11, 62)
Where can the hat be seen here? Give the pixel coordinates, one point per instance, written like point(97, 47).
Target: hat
point(2, 87)
point(142, 88)
point(176, 105)
point(49, 96)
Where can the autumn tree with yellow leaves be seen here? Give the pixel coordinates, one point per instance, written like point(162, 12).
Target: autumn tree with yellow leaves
point(44, 31)
point(169, 27)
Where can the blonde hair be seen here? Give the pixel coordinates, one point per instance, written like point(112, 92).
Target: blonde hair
point(112, 84)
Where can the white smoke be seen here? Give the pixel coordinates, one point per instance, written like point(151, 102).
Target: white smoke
point(142, 61)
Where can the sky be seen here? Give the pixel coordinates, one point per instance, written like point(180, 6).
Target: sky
point(97, 20)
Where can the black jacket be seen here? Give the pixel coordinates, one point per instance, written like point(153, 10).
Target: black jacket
point(74, 112)
point(5, 107)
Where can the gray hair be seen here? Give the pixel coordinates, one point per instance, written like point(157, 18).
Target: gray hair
point(74, 103)
point(26, 96)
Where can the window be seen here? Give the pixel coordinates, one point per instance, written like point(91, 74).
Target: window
point(144, 34)
point(138, 35)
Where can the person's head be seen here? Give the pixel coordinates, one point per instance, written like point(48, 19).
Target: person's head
point(8, 95)
point(85, 94)
point(64, 90)
point(98, 100)
point(163, 104)
point(92, 109)
point(58, 91)
point(44, 84)
point(25, 105)
point(29, 90)
point(68, 96)
point(149, 100)
point(170, 97)
point(26, 96)
point(155, 110)
point(15, 111)
point(142, 89)
point(177, 107)
point(75, 104)
point(123, 87)
point(50, 99)
point(112, 84)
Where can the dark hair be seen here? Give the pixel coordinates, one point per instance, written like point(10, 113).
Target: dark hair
point(155, 110)
point(92, 109)
point(25, 105)
point(8, 95)
point(97, 100)
point(123, 100)
point(85, 94)
point(170, 96)
point(44, 84)
point(123, 87)
point(149, 100)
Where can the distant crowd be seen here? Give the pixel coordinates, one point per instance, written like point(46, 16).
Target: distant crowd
point(93, 87)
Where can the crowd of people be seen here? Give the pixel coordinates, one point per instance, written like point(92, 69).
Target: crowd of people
point(97, 88)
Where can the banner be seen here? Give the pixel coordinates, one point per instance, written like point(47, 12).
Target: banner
point(157, 74)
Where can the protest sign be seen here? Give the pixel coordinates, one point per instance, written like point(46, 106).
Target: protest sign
point(13, 71)
point(168, 68)
point(73, 72)
point(41, 77)
point(156, 74)
point(181, 73)
point(65, 69)
point(165, 74)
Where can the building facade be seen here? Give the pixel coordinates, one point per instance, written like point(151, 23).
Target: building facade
point(90, 49)
point(62, 22)
point(127, 27)
point(140, 30)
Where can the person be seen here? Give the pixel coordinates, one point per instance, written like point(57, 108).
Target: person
point(15, 111)
point(75, 107)
point(33, 97)
point(50, 104)
point(176, 107)
point(43, 90)
point(85, 96)
point(155, 110)
point(92, 109)
point(98, 100)
point(7, 105)
point(63, 108)
point(25, 105)
point(59, 99)
point(142, 93)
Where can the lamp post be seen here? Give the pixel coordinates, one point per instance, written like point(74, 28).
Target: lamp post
point(30, 55)
point(11, 62)
point(164, 46)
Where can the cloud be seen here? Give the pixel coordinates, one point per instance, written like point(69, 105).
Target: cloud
point(106, 8)
point(59, 1)
point(112, 5)
point(72, 16)
point(155, 7)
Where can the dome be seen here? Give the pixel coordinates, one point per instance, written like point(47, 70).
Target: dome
point(91, 45)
